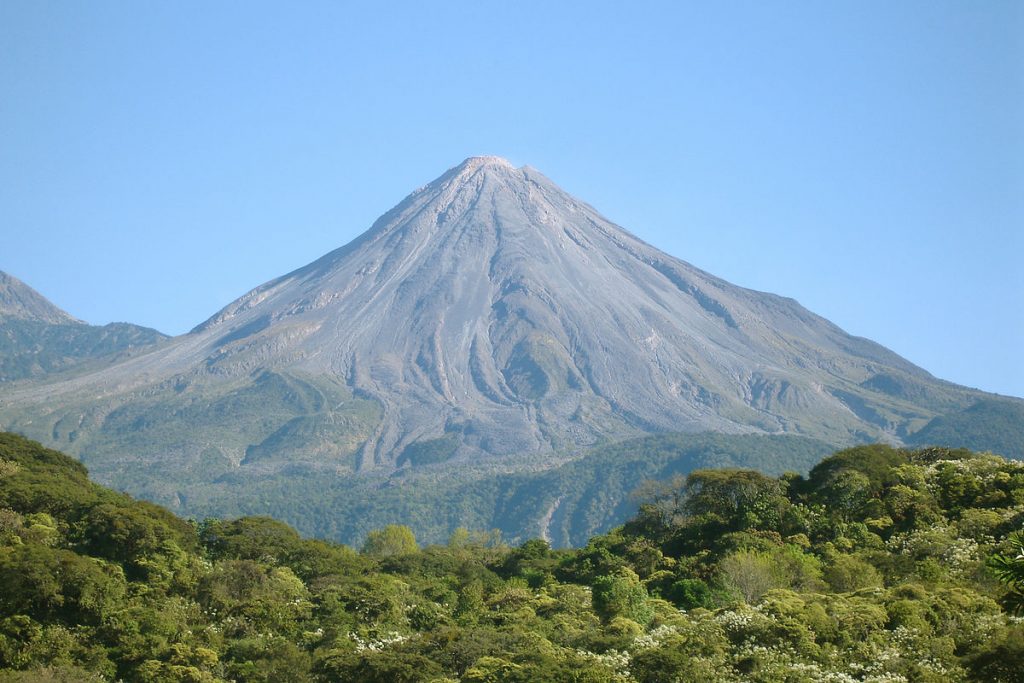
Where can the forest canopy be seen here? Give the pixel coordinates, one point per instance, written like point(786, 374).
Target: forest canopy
point(881, 564)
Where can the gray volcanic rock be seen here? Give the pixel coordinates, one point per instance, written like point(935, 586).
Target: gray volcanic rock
point(18, 300)
point(489, 314)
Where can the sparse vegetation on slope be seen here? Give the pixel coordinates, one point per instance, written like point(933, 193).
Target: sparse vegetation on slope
point(33, 348)
point(587, 495)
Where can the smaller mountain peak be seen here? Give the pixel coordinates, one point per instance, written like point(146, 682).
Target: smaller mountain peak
point(18, 300)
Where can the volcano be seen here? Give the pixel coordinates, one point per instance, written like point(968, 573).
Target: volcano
point(489, 319)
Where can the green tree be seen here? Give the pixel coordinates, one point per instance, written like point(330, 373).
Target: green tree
point(622, 595)
point(494, 670)
point(669, 662)
point(846, 573)
point(877, 462)
point(846, 492)
point(383, 666)
point(394, 540)
point(735, 498)
point(691, 593)
point(267, 660)
point(47, 583)
point(750, 573)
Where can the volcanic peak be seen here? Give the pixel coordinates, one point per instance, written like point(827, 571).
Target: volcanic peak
point(493, 312)
point(472, 172)
point(473, 163)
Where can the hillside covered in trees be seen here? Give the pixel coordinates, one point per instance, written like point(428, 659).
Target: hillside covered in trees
point(880, 565)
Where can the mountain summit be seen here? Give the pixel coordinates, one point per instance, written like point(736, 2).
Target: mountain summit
point(488, 317)
point(493, 305)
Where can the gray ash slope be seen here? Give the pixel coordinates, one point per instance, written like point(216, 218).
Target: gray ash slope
point(492, 303)
point(489, 317)
point(21, 302)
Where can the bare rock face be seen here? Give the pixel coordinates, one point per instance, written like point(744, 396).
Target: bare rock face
point(488, 315)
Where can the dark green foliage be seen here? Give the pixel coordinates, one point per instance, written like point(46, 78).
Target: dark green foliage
point(1009, 567)
point(1000, 660)
point(534, 561)
point(876, 463)
point(883, 564)
point(132, 534)
point(735, 499)
point(250, 538)
point(668, 663)
point(39, 460)
point(58, 585)
point(267, 660)
point(42, 480)
point(621, 595)
point(268, 540)
point(429, 452)
point(380, 667)
point(691, 593)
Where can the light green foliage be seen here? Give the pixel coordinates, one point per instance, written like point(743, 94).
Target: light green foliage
point(394, 540)
point(750, 573)
point(52, 674)
point(492, 670)
point(847, 573)
point(41, 528)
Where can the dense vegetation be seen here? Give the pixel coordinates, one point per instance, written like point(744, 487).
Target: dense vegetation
point(879, 565)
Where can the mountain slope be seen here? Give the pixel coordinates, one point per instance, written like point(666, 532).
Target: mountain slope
point(494, 305)
point(489, 320)
point(564, 504)
point(38, 338)
point(18, 300)
point(995, 425)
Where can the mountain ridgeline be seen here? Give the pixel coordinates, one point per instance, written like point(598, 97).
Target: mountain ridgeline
point(488, 326)
point(38, 338)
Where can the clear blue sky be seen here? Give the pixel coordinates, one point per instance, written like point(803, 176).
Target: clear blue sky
point(157, 160)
